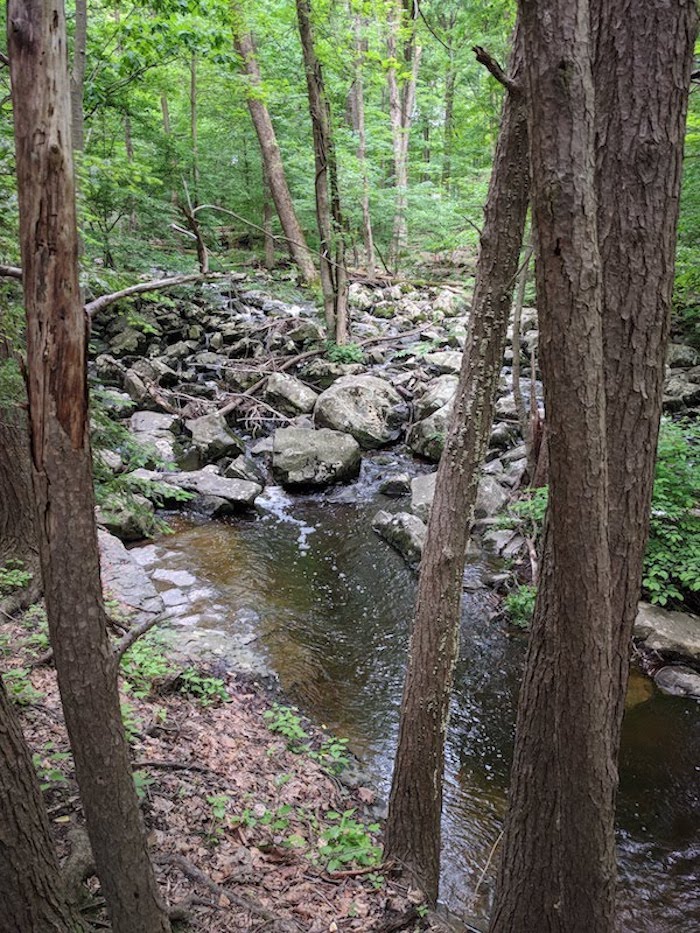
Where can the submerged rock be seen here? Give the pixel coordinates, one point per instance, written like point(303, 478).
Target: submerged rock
point(304, 458)
point(678, 681)
point(367, 407)
point(404, 532)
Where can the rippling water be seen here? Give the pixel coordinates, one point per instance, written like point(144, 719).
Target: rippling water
point(329, 605)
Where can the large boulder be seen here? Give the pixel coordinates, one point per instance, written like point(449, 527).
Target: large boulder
point(304, 458)
point(367, 407)
point(674, 634)
point(125, 580)
point(681, 356)
point(445, 361)
point(289, 395)
point(404, 532)
point(213, 439)
point(682, 390)
point(129, 517)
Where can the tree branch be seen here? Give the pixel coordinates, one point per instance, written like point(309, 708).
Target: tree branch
point(133, 635)
point(10, 272)
point(492, 66)
point(99, 304)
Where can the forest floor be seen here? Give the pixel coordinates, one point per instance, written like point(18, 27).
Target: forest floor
point(250, 829)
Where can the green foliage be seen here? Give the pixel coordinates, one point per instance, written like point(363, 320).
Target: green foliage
point(284, 721)
point(672, 561)
point(145, 665)
point(20, 688)
point(13, 577)
point(332, 755)
point(132, 726)
point(142, 782)
point(219, 805)
point(207, 690)
point(520, 605)
point(344, 353)
point(348, 842)
point(48, 766)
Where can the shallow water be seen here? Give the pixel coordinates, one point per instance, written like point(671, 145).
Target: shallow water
point(328, 604)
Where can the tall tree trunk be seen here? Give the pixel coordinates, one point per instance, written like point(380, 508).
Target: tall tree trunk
point(413, 824)
point(359, 127)
point(32, 899)
point(165, 113)
point(643, 60)
point(643, 55)
point(62, 468)
point(524, 421)
point(77, 76)
point(328, 212)
point(193, 131)
point(259, 114)
point(448, 136)
point(558, 867)
point(402, 100)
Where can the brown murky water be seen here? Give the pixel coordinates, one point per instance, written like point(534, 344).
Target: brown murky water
point(309, 586)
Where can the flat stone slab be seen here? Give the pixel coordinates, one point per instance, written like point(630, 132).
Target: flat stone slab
point(125, 580)
point(672, 633)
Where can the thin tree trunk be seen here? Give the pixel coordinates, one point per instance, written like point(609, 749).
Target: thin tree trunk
point(402, 99)
point(523, 416)
point(359, 116)
point(448, 139)
point(296, 242)
point(32, 897)
point(77, 76)
point(165, 112)
point(328, 212)
point(269, 241)
point(193, 130)
point(413, 825)
point(558, 866)
point(62, 468)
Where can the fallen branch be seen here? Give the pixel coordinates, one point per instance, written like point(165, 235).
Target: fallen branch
point(171, 766)
point(244, 903)
point(11, 272)
point(99, 304)
point(133, 636)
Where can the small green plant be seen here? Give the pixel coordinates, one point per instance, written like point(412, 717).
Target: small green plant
point(422, 910)
point(142, 782)
point(376, 880)
point(332, 755)
point(145, 665)
point(208, 691)
point(219, 805)
point(13, 576)
point(348, 842)
point(344, 352)
point(285, 721)
point(520, 605)
point(132, 727)
point(20, 688)
point(47, 766)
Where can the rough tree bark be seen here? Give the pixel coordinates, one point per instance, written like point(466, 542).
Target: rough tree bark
point(328, 212)
point(77, 76)
point(193, 130)
point(402, 99)
point(642, 64)
point(558, 866)
point(270, 152)
point(32, 898)
point(62, 468)
point(413, 826)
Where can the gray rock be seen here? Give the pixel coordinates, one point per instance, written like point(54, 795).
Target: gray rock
point(243, 468)
point(129, 517)
point(678, 681)
point(156, 430)
point(360, 297)
point(367, 407)
point(289, 395)
point(306, 334)
point(109, 371)
point(302, 458)
point(324, 373)
point(396, 485)
point(681, 356)
point(213, 439)
point(490, 497)
point(676, 634)
point(404, 532)
point(214, 494)
point(445, 361)
point(440, 392)
point(125, 580)
point(502, 435)
point(681, 390)
point(127, 342)
point(427, 437)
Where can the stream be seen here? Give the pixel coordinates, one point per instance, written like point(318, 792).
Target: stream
point(310, 588)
